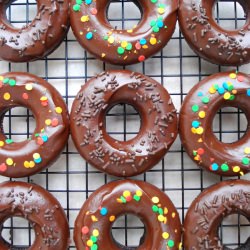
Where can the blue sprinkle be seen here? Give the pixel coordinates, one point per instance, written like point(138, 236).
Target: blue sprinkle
point(225, 85)
point(104, 211)
point(160, 24)
point(143, 41)
point(39, 160)
point(200, 94)
point(221, 90)
point(195, 124)
point(89, 35)
point(88, 2)
point(248, 92)
point(45, 138)
point(215, 166)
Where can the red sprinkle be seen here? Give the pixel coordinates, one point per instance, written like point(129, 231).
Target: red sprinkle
point(3, 167)
point(93, 11)
point(129, 198)
point(54, 122)
point(200, 151)
point(39, 141)
point(141, 58)
point(138, 46)
point(25, 96)
point(44, 103)
point(1, 84)
point(240, 78)
point(85, 230)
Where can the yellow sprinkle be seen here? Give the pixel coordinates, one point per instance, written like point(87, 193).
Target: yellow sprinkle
point(1, 78)
point(48, 122)
point(139, 193)
point(36, 156)
point(6, 96)
point(93, 218)
point(26, 164)
point(81, 33)
point(124, 44)
point(200, 140)
point(236, 169)
point(32, 164)
point(112, 218)
point(212, 90)
point(95, 232)
point(44, 98)
point(126, 193)
point(234, 91)
point(180, 246)
point(111, 39)
point(242, 173)
point(153, 41)
point(1, 143)
point(200, 130)
point(119, 200)
point(173, 215)
point(165, 210)
point(247, 150)
point(90, 243)
point(161, 218)
point(29, 86)
point(103, 55)
point(130, 31)
point(165, 235)
point(58, 110)
point(202, 114)
point(227, 96)
point(155, 199)
point(193, 130)
point(161, 11)
point(233, 75)
point(85, 19)
point(145, 46)
point(9, 161)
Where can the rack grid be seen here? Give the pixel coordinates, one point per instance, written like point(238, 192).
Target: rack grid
point(71, 180)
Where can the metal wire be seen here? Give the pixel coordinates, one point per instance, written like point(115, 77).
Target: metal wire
point(71, 179)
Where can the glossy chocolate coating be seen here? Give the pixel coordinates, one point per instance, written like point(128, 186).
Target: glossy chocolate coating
point(158, 122)
point(196, 124)
point(37, 39)
point(129, 197)
point(20, 159)
point(41, 209)
point(208, 210)
point(208, 39)
point(155, 29)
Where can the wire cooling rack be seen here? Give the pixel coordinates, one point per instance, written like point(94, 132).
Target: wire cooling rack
point(71, 180)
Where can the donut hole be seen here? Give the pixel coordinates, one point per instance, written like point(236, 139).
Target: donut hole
point(229, 124)
point(122, 122)
point(124, 14)
point(21, 12)
point(128, 231)
point(229, 15)
point(18, 232)
point(18, 124)
point(234, 231)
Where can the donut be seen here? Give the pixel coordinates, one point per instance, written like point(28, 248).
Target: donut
point(211, 41)
point(198, 110)
point(93, 31)
point(154, 208)
point(37, 39)
point(88, 128)
point(21, 159)
point(208, 210)
point(41, 209)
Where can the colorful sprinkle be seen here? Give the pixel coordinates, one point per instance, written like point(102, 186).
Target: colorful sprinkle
point(103, 211)
point(6, 96)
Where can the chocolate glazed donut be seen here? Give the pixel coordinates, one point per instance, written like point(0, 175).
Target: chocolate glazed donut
point(158, 122)
point(93, 31)
point(37, 39)
point(208, 39)
point(41, 209)
point(207, 211)
point(199, 108)
point(94, 222)
point(20, 159)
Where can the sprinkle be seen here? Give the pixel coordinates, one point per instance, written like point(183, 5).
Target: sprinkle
point(152, 23)
point(111, 39)
point(215, 167)
point(156, 29)
point(85, 230)
point(3, 167)
point(165, 235)
point(153, 41)
point(93, 11)
point(12, 82)
point(129, 46)
point(6, 96)
point(195, 108)
point(126, 193)
point(28, 86)
point(85, 18)
point(54, 122)
point(36, 156)
point(136, 197)
point(94, 247)
point(171, 243)
point(9, 161)
point(112, 218)
point(161, 11)
point(199, 131)
point(202, 114)
point(88, 2)
point(138, 193)
point(154, 1)
point(9, 141)
point(103, 211)
point(245, 161)
point(124, 44)
point(155, 199)
point(233, 75)
point(58, 110)
point(155, 208)
point(200, 151)
point(48, 122)
point(95, 232)
point(120, 50)
point(236, 169)
point(205, 99)
point(248, 92)
point(5, 80)
point(143, 41)
point(93, 238)
point(161, 218)
point(212, 90)
point(90, 243)
point(195, 124)
point(1, 78)
point(1, 143)
point(141, 58)
point(89, 35)
point(224, 167)
point(76, 7)
point(240, 78)
point(25, 96)
point(227, 96)
point(247, 150)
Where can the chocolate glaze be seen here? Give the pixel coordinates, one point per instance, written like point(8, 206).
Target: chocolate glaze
point(156, 135)
point(196, 131)
point(207, 211)
point(41, 209)
point(208, 39)
point(19, 159)
point(129, 197)
point(155, 29)
point(37, 39)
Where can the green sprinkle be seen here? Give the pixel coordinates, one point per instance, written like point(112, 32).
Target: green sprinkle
point(155, 208)
point(160, 211)
point(136, 197)
point(106, 37)
point(123, 199)
point(195, 108)
point(79, 2)
point(156, 29)
point(224, 167)
point(171, 243)
point(12, 82)
point(129, 46)
point(216, 86)
point(230, 87)
point(194, 153)
point(120, 50)
point(232, 97)
point(205, 99)
point(36, 135)
point(152, 23)
point(76, 7)
point(9, 141)
point(94, 247)
point(245, 161)
point(93, 238)
point(6, 80)
point(154, 1)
